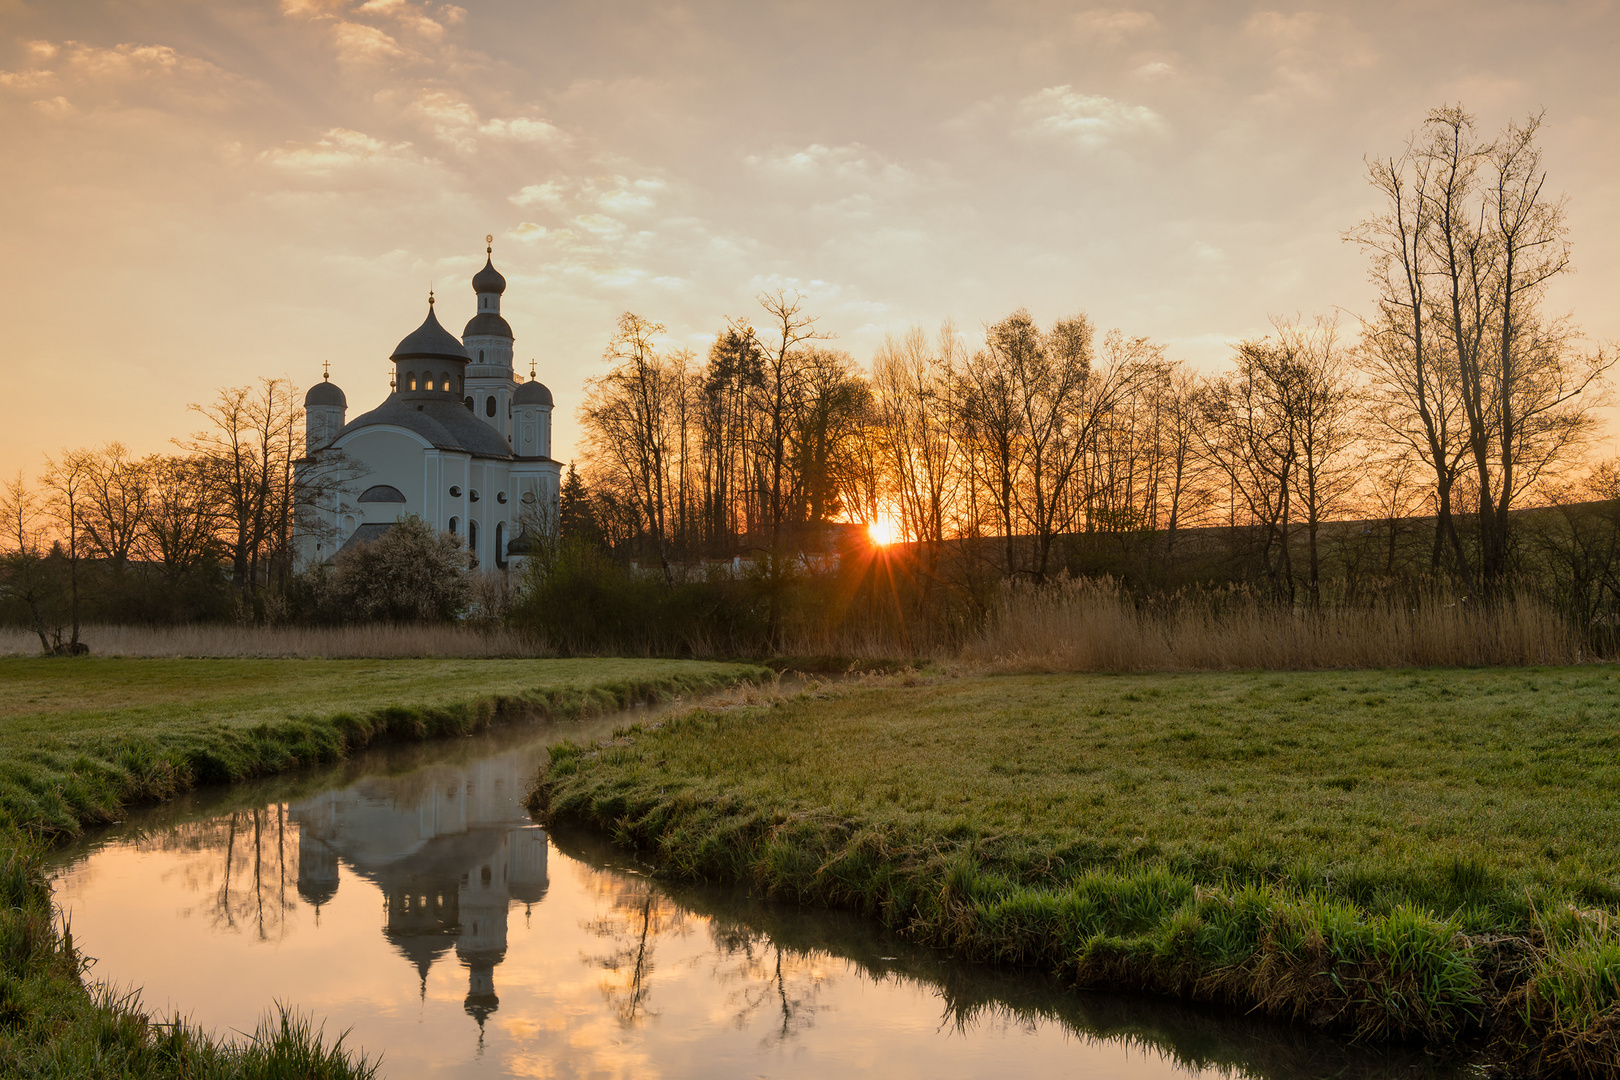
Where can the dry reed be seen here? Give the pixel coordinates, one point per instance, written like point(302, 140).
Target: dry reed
point(1083, 625)
point(373, 642)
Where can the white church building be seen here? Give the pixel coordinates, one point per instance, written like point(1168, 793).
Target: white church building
point(461, 443)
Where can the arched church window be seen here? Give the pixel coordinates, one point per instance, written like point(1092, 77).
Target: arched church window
point(410, 380)
point(500, 543)
point(472, 538)
point(467, 401)
point(444, 381)
point(455, 525)
point(480, 356)
point(489, 406)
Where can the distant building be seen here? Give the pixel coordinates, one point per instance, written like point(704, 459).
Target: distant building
point(461, 443)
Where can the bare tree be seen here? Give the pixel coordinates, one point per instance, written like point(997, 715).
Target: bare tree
point(115, 503)
point(627, 419)
point(67, 482)
point(1322, 412)
point(912, 383)
point(1463, 255)
point(248, 456)
point(27, 576)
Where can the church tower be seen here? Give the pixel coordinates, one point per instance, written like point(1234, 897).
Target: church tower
point(324, 409)
point(488, 340)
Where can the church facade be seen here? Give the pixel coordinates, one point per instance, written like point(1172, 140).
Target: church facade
point(461, 442)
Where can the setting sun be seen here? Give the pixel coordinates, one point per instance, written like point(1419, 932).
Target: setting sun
point(882, 531)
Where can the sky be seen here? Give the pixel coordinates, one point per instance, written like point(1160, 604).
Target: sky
point(199, 193)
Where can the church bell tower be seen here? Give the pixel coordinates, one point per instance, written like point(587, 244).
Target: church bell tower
point(488, 340)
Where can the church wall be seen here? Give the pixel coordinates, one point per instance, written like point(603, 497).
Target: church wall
point(392, 458)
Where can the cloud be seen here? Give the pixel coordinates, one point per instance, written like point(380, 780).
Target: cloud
point(1307, 49)
point(1112, 27)
point(522, 129)
point(129, 74)
point(549, 194)
point(850, 165)
point(1091, 122)
point(611, 194)
point(360, 43)
point(342, 154)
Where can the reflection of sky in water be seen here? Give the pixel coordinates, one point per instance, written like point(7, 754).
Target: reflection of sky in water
point(425, 912)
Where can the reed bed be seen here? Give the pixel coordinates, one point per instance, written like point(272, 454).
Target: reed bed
point(376, 641)
point(1084, 625)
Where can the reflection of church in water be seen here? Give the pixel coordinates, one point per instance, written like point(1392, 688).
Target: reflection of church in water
point(450, 850)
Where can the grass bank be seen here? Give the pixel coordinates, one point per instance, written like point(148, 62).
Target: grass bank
point(81, 739)
point(1425, 855)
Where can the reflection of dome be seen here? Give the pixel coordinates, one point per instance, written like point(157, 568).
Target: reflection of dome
point(317, 870)
point(526, 880)
point(421, 922)
point(481, 999)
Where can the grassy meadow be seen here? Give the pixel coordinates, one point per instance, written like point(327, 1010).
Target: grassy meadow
point(82, 738)
point(1425, 854)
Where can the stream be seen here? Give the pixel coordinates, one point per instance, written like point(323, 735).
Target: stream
point(406, 897)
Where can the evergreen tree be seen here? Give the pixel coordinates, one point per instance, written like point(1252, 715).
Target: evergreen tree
point(576, 519)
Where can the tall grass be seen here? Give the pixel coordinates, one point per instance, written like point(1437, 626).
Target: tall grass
point(375, 641)
point(1087, 625)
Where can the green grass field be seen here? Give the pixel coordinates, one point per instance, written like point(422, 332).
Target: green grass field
point(1426, 853)
point(82, 738)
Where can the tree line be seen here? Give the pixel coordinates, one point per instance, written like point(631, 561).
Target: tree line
point(1460, 400)
point(1440, 442)
point(107, 535)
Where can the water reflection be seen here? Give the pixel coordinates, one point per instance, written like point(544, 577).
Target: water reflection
point(409, 896)
point(449, 851)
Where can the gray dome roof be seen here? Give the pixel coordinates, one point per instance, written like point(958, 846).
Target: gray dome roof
point(487, 324)
point(489, 279)
point(325, 393)
point(430, 340)
point(447, 424)
point(532, 393)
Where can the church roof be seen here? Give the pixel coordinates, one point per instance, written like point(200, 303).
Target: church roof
point(489, 279)
point(447, 424)
point(487, 324)
point(325, 393)
point(532, 393)
point(430, 340)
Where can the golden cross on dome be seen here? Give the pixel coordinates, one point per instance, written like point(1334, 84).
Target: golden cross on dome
point(326, 370)
point(489, 243)
point(531, 369)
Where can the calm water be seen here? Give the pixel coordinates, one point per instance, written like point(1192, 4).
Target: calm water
point(407, 896)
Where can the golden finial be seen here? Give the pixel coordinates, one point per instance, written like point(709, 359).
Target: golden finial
point(489, 243)
point(531, 369)
point(392, 372)
point(326, 370)
point(430, 296)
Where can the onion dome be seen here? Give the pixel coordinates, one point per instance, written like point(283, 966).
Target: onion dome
point(430, 340)
point(487, 324)
point(325, 393)
point(532, 393)
point(489, 279)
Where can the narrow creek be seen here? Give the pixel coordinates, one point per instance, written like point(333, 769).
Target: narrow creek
point(406, 897)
